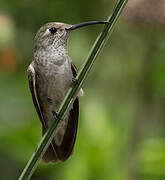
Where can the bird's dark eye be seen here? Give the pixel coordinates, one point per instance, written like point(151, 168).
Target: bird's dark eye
point(53, 30)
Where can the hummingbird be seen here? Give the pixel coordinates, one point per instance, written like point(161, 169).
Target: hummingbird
point(50, 76)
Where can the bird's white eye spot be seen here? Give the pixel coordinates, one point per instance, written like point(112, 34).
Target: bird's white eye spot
point(52, 31)
point(47, 32)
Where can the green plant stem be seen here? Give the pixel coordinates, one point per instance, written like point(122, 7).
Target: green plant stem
point(72, 93)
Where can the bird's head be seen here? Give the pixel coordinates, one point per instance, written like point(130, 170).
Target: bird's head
point(55, 35)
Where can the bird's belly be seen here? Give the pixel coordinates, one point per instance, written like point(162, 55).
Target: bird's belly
point(56, 88)
point(53, 88)
point(54, 85)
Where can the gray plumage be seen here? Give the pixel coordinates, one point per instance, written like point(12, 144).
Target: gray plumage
point(50, 76)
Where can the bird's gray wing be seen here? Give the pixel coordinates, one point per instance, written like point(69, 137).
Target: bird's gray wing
point(74, 70)
point(32, 85)
point(50, 153)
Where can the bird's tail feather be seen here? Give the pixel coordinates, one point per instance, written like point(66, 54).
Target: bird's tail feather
point(64, 150)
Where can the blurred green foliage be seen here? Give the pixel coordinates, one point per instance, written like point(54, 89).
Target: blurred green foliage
point(121, 126)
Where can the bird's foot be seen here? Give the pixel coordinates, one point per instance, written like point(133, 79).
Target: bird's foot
point(74, 80)
point(55, 114)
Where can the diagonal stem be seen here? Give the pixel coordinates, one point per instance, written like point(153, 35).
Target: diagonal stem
point(72, 93)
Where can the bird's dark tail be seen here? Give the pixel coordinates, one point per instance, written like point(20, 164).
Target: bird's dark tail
point(64, 150)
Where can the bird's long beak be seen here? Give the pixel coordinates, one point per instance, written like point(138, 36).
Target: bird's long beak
point(75, 26)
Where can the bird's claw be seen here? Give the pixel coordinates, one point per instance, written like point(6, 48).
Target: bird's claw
point(74, 80)
point(55, 114)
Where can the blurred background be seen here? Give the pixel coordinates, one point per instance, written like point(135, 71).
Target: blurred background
point(121, 127)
